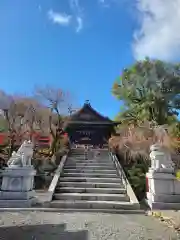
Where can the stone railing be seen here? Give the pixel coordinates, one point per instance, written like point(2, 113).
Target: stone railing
point(123, 177)
point(1, 177)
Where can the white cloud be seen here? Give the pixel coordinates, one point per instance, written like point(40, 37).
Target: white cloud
point(78, 13)
point(159, 33)
point(59, 18)
point(67, 19)
point(74, 4)
point(104, 3)
point(39, 8)
point(80, 24)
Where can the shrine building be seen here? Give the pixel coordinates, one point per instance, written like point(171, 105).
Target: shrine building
point(87, 126)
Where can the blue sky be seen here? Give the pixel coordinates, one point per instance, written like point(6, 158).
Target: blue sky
point(82, 46)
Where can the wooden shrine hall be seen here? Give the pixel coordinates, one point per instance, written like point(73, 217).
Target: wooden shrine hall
point(87, 126)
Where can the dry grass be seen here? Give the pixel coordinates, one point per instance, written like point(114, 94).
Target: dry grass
point(134, 142)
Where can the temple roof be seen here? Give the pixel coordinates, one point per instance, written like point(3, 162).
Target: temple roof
point(87, 114)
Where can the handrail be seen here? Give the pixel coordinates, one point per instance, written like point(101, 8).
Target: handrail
point(56, 177)
point(124, 179)
point(1, 176)
point(118, 167)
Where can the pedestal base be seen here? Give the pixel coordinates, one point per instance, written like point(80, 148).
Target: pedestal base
point(168, 198)
point(163, 205)
point(18, 203)
point(164, 190)
point(19, 179)
point(16, 195)
point(17, 187)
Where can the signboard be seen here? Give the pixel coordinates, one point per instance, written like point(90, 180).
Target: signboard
point(85, 133)
point(85, 138)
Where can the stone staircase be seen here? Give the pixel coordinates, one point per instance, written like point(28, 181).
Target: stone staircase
point(90, 184)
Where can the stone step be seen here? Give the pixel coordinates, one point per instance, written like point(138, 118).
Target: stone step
point(136, 210)
point(77, 150)
point(89, 167)
point(105, 171)
point(84, 204)
point(92, 179)
point(80, 152)
point(90, 190)
point(96, 175)
point(91, 185)
point(107, 165)
point(91, 196)
point(90, 162)
point(82, 158)
point(89, 158)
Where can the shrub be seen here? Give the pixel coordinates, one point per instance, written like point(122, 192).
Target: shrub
point(132, 148)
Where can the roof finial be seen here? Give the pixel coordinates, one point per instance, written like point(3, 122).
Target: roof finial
point(87, 102)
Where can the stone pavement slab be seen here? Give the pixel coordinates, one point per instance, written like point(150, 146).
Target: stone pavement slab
point(82, 226)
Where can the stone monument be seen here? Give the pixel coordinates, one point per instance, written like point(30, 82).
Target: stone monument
point(163, 189)
point(18, 179)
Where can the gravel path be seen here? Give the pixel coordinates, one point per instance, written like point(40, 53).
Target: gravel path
point(81, 226)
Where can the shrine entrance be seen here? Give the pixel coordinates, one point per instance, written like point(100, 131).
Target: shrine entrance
point(83, 135)
point(87, 126)
point(86, 136)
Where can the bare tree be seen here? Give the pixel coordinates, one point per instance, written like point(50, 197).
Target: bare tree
point(13, 116)
point(34, 116)
point(23, 115)
point(57, 101)
point(45, 112)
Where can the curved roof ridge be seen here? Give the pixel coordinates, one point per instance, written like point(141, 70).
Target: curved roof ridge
point(87, 106)
point(96, 112)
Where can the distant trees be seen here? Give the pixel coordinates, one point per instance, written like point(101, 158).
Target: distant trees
point(45, 111)
point(21, 115)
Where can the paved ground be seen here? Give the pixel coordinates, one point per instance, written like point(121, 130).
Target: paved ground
point(172, 217)
point(81, 226)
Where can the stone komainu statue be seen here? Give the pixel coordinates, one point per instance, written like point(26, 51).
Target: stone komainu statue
point(23, 156)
